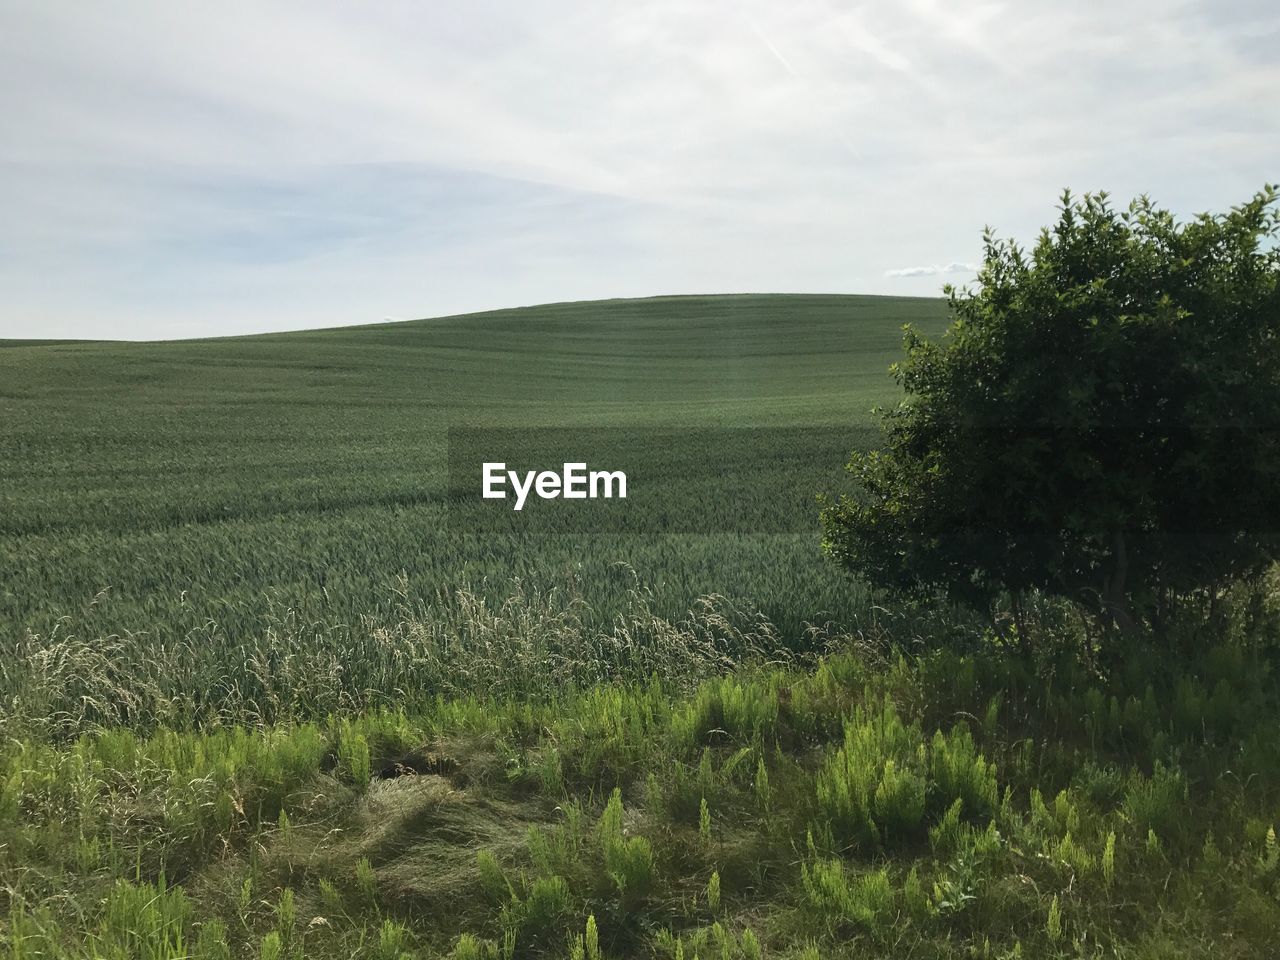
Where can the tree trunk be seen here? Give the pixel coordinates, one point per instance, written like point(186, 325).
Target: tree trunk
point(1116, 605)
point(1020, 622)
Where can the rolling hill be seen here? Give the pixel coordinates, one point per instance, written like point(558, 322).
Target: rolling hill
point(226, 479)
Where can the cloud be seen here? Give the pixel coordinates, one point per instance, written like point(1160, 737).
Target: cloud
point(171, 169)
point(933, 270)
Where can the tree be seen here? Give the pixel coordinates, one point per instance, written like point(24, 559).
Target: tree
point(1100, 421)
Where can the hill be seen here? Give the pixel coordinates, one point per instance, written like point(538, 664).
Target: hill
point(221, 480)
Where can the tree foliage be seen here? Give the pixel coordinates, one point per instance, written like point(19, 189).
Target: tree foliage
point(1099, 422)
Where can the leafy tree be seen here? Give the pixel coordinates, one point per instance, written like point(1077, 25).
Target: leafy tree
point(1098, 423)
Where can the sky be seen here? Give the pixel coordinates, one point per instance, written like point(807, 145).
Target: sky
point(177, 170)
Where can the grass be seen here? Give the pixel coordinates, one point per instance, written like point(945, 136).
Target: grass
point(861, 803)
point(268, 693)
point(524, 647)
point(168, 486)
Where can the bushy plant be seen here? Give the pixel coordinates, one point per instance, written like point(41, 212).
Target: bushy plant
point(1099, 423)
point(628, 861)
point(878, 749)
point(840, 898)
point(538, 918)
point(1155, 803)
point(145, 921)
point(877, 786)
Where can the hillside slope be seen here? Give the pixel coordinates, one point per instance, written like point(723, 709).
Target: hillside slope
point(210, 480)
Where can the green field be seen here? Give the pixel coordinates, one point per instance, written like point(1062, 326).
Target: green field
point(272, 687)
point(229, 480)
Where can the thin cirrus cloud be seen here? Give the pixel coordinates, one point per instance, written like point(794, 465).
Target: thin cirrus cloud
point(174, 170)
point(932, 271)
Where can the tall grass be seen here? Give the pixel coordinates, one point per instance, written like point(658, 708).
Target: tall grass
point(513, 781)
point(530, 646)
point(860, 804)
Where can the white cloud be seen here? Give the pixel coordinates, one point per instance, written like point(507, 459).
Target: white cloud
point(170, 168)
point(932, 271)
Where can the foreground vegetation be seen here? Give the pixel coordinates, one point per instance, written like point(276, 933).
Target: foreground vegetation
point(593, 799)
point(293, 761)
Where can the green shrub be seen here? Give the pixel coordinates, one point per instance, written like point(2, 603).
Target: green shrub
point(727, 708)
point(366, 880)
point(538, 919)
point(959, 772)
point(493, 879)
point(848, 781)
point(143, 921)
point(1109, 861)
point(876, 787)
point(843, 900)
point(628, 861)
point(271, 947)
point(470, 947)
point(353, 754)
point(393, 938)
point(1156, 803)
point(1088, 375)
point(949, 834)
point(898, 803)
point(1053, 925)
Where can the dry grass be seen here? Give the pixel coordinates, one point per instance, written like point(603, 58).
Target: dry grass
point(532, 645)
